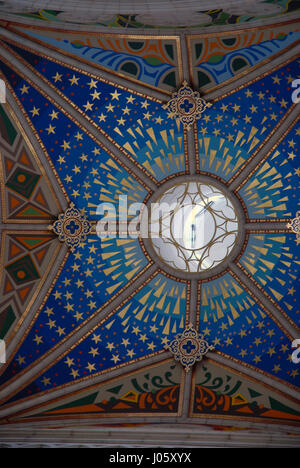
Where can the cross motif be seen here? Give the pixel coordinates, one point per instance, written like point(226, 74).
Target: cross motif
point(186, 105)
point(189, 347)
point(72, 227)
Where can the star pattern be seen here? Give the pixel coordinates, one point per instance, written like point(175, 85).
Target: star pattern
point(231, 319)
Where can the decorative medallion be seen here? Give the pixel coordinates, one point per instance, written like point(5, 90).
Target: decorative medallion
point(294, 225)
point(189, 347)
point(186, 105)
point(199, 232)
point(72, 227)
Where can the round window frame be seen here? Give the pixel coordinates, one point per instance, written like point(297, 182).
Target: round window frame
point(241, 235)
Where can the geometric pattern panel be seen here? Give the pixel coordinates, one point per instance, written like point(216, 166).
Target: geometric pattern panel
point(26, 193)
point(26, 259)
point(152, 61)
point(154, 390)
point(219, 58)
point(220, 391)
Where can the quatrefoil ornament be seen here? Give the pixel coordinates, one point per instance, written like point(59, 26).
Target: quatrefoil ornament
point(71, 227)
point(186, 105)
point(189, 347)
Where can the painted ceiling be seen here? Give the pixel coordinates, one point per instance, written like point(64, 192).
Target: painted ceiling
point(84, 121)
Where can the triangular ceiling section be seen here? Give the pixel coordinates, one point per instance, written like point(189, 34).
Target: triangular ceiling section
point(148, 60)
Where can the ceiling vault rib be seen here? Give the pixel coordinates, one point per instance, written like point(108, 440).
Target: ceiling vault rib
point(278, 315)
point(187, 387)
point(266, 148)
point(186, 76)
point(50, 52)
point(270, 225)
point(91, 129)
point(73, 338)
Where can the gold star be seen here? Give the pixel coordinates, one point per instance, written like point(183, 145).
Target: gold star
point(51, 129)
point(90, 367)
point(126, 110)
point(92, 84)
point(110, 108)
point(88, 106)
point(236, 108)
point(53, 115)
point(121, 121)
point(21, 360)
point(74, 373)
point(38, 339)
point(283, 103)
point(69, 362)
point(51, 324)
point(248, 93)
point(130, 99)
point(276, 79)
point(78, 316)
point(115, 95)
point(291, 143)
point(24, 89)
point(145, 104)
point(96, 338)
point(271, 351)
point(147, 116)
point(46, 381)
point(95, 95)
point(66, 145)
point(79, 136)
point(253, 108)
point(74, 80)
point(35, 111)
point(57, 77)
point(102, 117)
point(93, 352)
point(224, 107)
point(60, 331)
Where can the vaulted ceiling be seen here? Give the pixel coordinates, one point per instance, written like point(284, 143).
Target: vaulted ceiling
point(85, 121)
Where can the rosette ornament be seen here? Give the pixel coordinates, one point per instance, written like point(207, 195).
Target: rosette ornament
point(186, 105)
point(189, 347)
point(71, 227)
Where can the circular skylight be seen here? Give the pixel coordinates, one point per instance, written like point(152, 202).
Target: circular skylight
point(193, 226)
